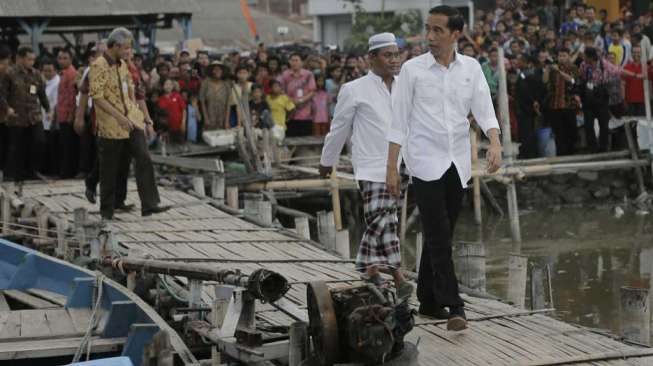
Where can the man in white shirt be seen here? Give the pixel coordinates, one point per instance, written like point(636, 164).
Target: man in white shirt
point(364, 110)
point(50, 159)
point(432, 99)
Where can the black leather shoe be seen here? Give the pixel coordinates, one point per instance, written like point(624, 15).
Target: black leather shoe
point(90, 195)
point(435, 313)
point(457, 320)
point(124, 208)
point(155, 210)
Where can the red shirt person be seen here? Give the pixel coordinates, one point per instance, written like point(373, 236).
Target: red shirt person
point(174, 106)
point(634, 78)
point(65, 116)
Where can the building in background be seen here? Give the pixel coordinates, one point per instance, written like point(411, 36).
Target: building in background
point(333, 19)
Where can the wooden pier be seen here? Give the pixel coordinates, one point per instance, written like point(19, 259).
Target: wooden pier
point(203, 230)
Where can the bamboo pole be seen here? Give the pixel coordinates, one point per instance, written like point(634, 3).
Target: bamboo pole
point(647, 95)
point(298, 184)
point(335, 198)
point(476, 180)
point(633, 153)
point(513, 209)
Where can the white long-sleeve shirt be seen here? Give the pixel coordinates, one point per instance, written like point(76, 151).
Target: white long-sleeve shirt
point(52, 92)
point(430, 105)
point(364, 110)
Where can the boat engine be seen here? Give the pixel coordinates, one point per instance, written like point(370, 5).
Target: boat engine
point(358, 324)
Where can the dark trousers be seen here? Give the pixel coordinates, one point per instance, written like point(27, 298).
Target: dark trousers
point(4, 143)
point(439, 203)
point(68, 150)
point(527, 136)
point(87, 150)
point(112, 154)
point(563, 123)
point(602, 113)
point(298, 128)
point(50, 158)
point(24, 152)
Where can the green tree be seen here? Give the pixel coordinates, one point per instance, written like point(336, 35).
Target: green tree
point(366, 24)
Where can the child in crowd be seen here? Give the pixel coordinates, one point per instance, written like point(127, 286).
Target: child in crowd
point(193, 117)
point(280, 106)
point(175, 107)
point(260, 109)
point(320, 107)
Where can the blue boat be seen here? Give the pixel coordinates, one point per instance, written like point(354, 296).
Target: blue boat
point(55, 313)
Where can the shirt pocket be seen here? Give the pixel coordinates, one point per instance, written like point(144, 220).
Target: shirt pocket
point(427, 90)
point(464, 93)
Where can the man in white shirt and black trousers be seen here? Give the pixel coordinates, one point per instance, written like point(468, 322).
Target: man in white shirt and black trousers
point(432, 99)
point(364, 110)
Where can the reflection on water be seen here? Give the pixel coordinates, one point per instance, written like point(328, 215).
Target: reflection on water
point(590, 253)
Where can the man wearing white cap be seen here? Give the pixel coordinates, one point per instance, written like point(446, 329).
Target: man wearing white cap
point(434, 95)
point(364, 111)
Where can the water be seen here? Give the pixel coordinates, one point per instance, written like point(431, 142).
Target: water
point(590, 253)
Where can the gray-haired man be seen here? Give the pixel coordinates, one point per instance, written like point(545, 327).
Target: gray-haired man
point(120, 126)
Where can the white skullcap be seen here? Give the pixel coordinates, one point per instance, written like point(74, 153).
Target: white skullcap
point(381, 40)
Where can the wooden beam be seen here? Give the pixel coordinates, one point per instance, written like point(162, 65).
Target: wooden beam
point(56, 347)
point(29, 300)
point(206, 165)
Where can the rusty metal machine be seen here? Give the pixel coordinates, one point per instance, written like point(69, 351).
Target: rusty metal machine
point(360, 324)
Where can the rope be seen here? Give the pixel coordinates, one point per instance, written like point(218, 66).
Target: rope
point(86, 340)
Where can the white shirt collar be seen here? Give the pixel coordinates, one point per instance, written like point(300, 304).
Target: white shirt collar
point(431, 61)
point(378, 79)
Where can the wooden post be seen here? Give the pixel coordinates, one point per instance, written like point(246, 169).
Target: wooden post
point(335, 199)
point(42, 222)
point(633, 154)
point(517, 276)
point(218, 311)
point(647, 95)
point(62, 245)
point(342, 244)
point(217, 187)
point(419, 245)
point(232, 197)
point(326, 230)
point(265, 212)
point(404, 219)
point(6, 213)
point(251, 205)
point(635, 314)
point(471, 265)
point(195, 296)
point(513, 210)
point(302, 227)
point(198, 186)
point(476, 181)
point(298, 343)
point(538, 300)
point(131, 280)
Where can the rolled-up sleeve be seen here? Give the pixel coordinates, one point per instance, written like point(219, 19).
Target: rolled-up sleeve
point(482, 107)
point(98, 77)
point(341, 125)
point(402, 102)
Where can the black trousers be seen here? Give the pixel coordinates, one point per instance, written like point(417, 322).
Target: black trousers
point(113, 172)
point(24, 152)
point(68, 150)
point(87, 150)
point(602, 113)
point(563, 123)
point(298, 128)
point(4, 142)
point(50, 157)
point(527, 136)
point(439, 204)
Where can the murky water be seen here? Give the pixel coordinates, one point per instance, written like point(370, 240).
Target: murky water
point(590, 254)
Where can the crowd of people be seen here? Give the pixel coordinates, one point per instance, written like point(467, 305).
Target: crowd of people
point(567, 70)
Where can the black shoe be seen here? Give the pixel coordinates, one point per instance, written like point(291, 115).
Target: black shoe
point(90, 195)
point(155, 210)
point(436, 313)
point(124, 208)
point(457, 320)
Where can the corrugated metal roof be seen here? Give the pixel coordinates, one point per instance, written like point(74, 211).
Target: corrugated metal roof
point(221, 23)
point(67, 8)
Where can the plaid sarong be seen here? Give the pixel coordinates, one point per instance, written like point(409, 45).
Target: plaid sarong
point(380, 243)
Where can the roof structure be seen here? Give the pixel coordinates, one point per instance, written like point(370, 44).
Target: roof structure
point(92, 15)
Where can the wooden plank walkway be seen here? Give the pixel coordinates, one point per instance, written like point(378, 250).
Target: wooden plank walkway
point(499, 334)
